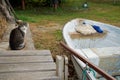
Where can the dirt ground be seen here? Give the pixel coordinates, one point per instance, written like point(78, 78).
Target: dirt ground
point(44, 38)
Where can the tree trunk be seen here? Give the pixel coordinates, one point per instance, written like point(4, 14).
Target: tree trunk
point(6, 16)
point(6, 11)
point(23, 4)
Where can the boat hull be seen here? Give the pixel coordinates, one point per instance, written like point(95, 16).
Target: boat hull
point(102, 51)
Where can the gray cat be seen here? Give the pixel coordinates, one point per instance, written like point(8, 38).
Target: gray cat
point(17, 36)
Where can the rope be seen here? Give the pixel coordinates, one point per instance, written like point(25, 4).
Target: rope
point(91, 70)
point(84, 73)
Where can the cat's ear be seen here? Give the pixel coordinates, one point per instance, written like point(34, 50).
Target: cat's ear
point(19, 22)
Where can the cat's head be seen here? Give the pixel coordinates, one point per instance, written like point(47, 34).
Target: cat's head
point(23, 27)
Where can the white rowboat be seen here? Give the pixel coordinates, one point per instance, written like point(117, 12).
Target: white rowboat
point(102, 50)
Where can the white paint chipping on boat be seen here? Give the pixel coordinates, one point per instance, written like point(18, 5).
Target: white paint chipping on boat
point(103, 51)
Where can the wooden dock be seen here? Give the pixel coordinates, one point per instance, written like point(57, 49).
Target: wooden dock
point(27, 65)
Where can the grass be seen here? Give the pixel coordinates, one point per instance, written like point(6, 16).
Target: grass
point(96, 11)
point(58, 35)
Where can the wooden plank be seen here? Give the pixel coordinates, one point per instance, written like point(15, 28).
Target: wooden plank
point(25, 53)
point(60, 66)
point(4, 45)
point(29, 40)
point(28, 75)
point(24, 59)
point(27, 67)
point(65, 67)
point(6, 35)
point(50, 78)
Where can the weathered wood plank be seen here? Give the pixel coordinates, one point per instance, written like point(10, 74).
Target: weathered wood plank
point(27, 67)
point(24, 59)
point(66, 67)
point(29, 40)
point(60, 66)
point(6, 35)
point(50, 78)
point(25, 53)
point(4, 46)
point(43, 75)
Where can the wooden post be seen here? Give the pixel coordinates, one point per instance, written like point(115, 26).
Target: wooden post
point(23, 4)
point(60, 67)
point(65, 67)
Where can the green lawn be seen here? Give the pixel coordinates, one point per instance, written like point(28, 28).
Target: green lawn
point(108, 13)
